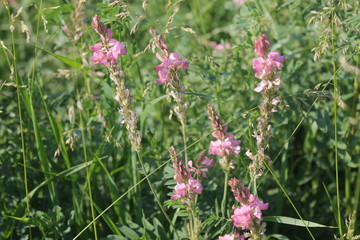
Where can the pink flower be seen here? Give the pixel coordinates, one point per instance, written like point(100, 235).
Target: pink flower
point(261, 87)
point(99, 58)
point(169, 65)
point(195, 186)
point(179, 190)
point(201, 166)
point(226, 147)
point(262, 45)
point(219, 133)
point(275, 59)
point(256, 206)
point(227, 237)
point(266, 66)
point(242, 217)
point(208, 162)
point(108, 52)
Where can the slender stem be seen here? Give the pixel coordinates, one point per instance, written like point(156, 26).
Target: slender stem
point(352, 133)
point(288, 198)
point(87, 174)
point(155, 194)
point(223, 202)
point(21, 123)
point(193, 224)
point(184, 140)
point(335, 124)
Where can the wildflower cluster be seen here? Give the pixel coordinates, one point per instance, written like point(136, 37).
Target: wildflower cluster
point(247, 217)
point(225, 144)
point(266, 68)
point(187, 186)
point(168, 72)
point(107, 53)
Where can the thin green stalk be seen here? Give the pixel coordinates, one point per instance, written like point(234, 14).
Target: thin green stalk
point(184, 140)
point(223, 202)
point(335, 124)
point(287, 196)
point(87, 174)
point(21, 125)
point(356, 197)
point(155, 194)
point(136, 198)
point(352, 133)
point(192, 224)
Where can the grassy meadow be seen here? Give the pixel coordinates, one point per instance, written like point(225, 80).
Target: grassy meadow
point(72, 165)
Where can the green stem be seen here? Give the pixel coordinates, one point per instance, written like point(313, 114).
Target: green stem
point(155, 194)
point(288, 198)
point(21, 124)
point(185, 146)
point(335, 124)
point(223, 202)
point(87, 174)
point(352, 134)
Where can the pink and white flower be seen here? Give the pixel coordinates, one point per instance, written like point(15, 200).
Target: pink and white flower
point(226, 147)
point(168, 66)
point(242, 217)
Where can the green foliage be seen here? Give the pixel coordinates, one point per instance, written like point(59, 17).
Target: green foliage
point(61, 134)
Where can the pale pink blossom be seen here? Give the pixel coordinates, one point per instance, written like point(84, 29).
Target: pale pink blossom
point(256, 206)
point(201, 166)
point(242, 217)
point(226, 147)
point(99, 58)
point(169, 65)
point(275, 59)
point(208, 162)
point(269, 65)
point(195, 186)
point(179, 190)
point(227, 237)
point(108, 51)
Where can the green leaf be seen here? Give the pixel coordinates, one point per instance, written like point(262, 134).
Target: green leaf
point(68, 61)
point(293, 221)
point(200, 95)
point(182, 213)
point(128, 232)
point(159, 229)
point(277, 236)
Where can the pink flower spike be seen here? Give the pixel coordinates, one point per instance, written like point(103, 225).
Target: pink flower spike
point(262, 45)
